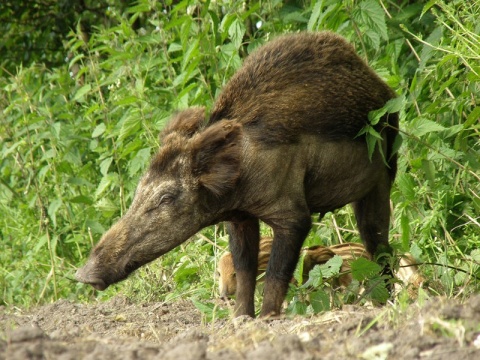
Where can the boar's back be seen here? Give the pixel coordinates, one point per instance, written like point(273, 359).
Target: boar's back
point(307, 82)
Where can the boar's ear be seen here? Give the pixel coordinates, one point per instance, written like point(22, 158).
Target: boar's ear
point(185, 123)
point(216, 155)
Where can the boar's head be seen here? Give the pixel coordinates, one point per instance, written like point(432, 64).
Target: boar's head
point(183, 191)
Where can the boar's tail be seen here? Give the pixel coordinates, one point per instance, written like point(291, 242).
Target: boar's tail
point(391, 134)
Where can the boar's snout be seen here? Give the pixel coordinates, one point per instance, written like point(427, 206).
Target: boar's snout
point(86, 275)
point(116, 256)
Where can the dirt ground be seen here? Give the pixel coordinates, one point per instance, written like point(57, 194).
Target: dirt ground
point(119, 329)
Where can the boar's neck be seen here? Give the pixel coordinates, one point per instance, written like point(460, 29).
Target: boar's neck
point(221, 209)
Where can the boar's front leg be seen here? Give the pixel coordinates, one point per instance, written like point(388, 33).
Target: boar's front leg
point(287, 243)
point(244, 243)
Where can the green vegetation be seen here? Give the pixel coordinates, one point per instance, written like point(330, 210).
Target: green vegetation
point(79, 123)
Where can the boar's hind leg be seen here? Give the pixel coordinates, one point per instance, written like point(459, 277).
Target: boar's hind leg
point(287, 243)
point(373, 217)
point(244, 243)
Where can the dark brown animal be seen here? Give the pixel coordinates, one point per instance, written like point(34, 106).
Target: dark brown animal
point(280, 144)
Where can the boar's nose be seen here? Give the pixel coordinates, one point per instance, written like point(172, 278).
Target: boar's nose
point(86, 278)
point(224, 295)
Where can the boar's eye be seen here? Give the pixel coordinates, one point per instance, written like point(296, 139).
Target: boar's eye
point(165, 199)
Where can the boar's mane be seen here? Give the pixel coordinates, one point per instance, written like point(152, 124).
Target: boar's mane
point(167, 157)
point(184, 123)
point(181, 127)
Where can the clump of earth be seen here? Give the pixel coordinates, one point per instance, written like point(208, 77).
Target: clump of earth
point(119, 329)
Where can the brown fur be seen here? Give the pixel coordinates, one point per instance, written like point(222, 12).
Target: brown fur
point(280, 144)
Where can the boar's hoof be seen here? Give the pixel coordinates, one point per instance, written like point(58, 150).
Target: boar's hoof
point(97, 283)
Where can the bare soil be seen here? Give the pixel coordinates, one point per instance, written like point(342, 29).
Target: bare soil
point(119, 329)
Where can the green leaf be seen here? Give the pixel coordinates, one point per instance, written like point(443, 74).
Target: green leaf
point(372, 38)
point(298, 274)
point(297, 307)
point(99, 130)
point(475, 255)
point(106, 205)
point(405, 225)
point(391, 106)
point(139, 162)
point(363, 269)
point(81, 199)
point(192, 52)
point(372, 16)
point(211, 311)
point(320, 301)
point(78, 181)
point(377, 288)
point(323, 271)
point(236, 31)
point(94, 226)
point(225, 25)
point(173, 47)
point(82, 92)
point(317, 9)
point(415, 251)
point(472, 118)
point(185, 271)
point(421, 126)
point(427, 7)
point(126, 101)
point(397, 143)
point(105, 165)
point(315, 278)
point(407, 186)
point(372, 138)
point(332, 266)
point(428, 167)
point(42, 240)
point(103, 185)
point(52, 210)
point(130, 126)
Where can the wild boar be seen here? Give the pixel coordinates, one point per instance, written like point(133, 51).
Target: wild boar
point(315, 255)
point(279, 145)
point(406, 273)
point(227, 279)
point(348, 251)
point(409, 276)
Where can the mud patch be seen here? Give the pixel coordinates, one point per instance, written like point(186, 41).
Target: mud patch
point(119, 329)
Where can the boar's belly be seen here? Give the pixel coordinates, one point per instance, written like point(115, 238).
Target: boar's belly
point(341, 173)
